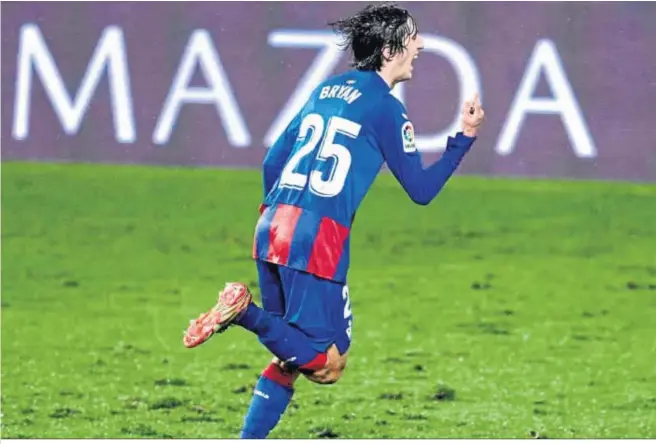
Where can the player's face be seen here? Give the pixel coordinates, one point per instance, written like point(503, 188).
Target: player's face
point(403, 61)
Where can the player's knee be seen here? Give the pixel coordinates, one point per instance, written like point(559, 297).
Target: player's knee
point(332, 371)
point(325, 376)
point(332, 375)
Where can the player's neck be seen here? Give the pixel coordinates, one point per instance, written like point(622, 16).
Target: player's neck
point(387, 77)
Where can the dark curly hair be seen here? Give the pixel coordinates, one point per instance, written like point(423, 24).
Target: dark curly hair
point(371, 30)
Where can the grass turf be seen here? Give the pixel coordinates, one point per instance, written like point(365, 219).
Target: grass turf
point(506, 308)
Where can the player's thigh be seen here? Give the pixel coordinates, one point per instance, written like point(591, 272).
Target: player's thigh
point(318, 307)
point(271, 288)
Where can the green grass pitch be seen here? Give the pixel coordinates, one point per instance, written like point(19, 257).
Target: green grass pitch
point(506, 308)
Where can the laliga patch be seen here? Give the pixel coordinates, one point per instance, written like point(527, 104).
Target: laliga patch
point(408, 136)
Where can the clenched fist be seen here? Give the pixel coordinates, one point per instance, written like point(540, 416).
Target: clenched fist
point(472, 116)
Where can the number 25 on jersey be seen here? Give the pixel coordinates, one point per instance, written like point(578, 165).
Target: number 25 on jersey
point(290, 178)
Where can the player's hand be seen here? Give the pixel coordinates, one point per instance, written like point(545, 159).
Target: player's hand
point(472, 116)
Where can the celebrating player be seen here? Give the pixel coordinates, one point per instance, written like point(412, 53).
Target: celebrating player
point(315, 177)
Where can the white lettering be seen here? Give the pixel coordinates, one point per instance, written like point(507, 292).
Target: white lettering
point(545, 59)
point(333, 92)
point(343, 91)
point(109, 53)
point(355, 95)
point(322, 66)
point(201, 50)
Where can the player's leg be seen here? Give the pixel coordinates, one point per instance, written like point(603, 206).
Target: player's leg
point(318, 308)
point(274, 388)
point(271, 396)
point(288, 342)
point(235, 306)
point(284, 341)
point(322, 310)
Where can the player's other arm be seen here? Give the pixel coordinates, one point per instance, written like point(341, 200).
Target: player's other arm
point(395, 135)
point(277, 156)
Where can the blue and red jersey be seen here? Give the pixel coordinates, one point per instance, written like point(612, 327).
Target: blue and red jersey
point(320, 169)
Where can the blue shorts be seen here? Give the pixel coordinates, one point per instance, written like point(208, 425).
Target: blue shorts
point(318, 307)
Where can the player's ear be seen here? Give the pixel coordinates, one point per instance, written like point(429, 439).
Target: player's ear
point(386, 53)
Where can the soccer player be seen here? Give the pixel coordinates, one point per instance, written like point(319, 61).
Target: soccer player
point(315, 176)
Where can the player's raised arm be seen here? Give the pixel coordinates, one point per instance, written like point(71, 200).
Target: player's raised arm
point(276, 157)
point(395, 134)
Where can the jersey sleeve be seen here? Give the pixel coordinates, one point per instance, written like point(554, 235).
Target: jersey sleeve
point(396, 140)
point(277, 155)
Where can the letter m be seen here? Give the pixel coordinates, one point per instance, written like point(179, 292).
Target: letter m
point(109, 53)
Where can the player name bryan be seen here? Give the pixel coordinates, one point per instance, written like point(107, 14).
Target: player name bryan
point(347, 93)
